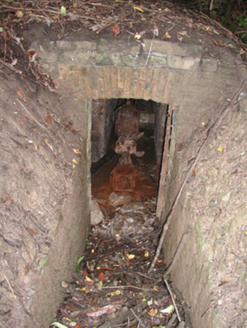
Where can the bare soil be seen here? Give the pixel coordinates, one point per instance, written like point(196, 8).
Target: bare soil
point(37, 140)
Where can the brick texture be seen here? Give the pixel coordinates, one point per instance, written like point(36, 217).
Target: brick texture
point(115, 82)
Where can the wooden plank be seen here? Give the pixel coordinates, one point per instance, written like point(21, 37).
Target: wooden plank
point(164, 164)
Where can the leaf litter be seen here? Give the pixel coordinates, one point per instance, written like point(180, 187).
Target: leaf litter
point(111, 286)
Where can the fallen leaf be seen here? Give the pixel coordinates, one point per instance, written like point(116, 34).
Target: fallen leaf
point(137, 36)
point(184, 33)
point(101, 276)
point(88, 300)
point(19, 13)
point(80, 259)
point(89, 280)
point(107, 268)
point(71, 128)
point(168, 310)
point(130, 256)
point(156, 30)
point(77, 151)
point(167, 35)
point(138, 8)
point(31, 231)
point(180, 38)
point(63, 11)
point(14, 62)
point(116, 29)
point(226, 197)
point(91, 268)
point(220, 148)
point(152, 312)
point(194, 170)
point(59, 325)
point(74, 161)
point(64, 284)
point(84, 289)
point(20, 93)
point(101, 311)
point(26, 270)
point(48, 119)
point(32, 54)
point(116, 292)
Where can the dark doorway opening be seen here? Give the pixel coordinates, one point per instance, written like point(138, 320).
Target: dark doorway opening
point(146, 157)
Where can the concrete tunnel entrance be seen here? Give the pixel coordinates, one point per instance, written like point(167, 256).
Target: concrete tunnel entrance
point(197, 86)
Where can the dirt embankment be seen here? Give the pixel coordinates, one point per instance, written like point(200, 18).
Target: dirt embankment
point(41, 152)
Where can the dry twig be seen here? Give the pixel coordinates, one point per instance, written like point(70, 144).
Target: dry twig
point(172, 298)
point(22, 105)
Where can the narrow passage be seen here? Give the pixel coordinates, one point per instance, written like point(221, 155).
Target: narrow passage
point(111, 286)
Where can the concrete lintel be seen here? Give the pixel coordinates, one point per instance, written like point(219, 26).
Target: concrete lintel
point(118, 46)
point(172, 48)
point(209, 65)
point(157, 62)
point(184, 63)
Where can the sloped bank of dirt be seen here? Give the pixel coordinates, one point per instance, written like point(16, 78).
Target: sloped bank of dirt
point(208, 233)
point(42, 169)
point(220, 189)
